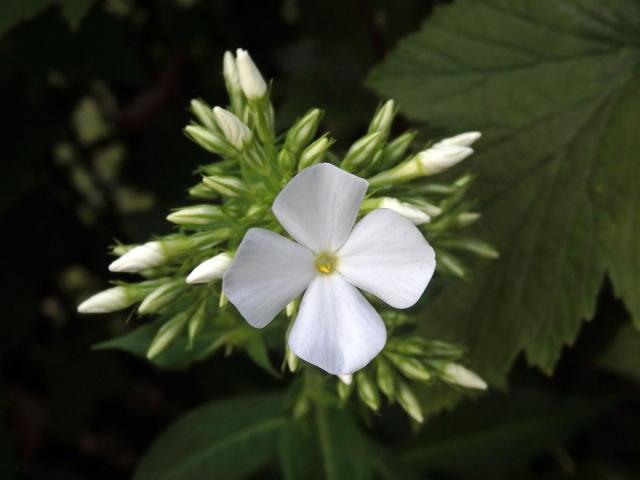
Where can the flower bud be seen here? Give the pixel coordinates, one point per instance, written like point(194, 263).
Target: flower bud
point(208, 140)
point(383, 118)
point(160, 297)
point(477, 247)
point(196, 322)
point(203, 192)
point(396, 149)
point(410, 367)
point(293, 362)
point(417, 216)
point(385, 378)
point(226, 185)
point(459, 375)
point(362, 151)
point(463, 140)
point(315, 152)
point(301, 133)
point(450, 264)
point(167, 334)
point(230, 73)
point(467, 218)
point(203, 113)
point(236, 132)
point(149, 255)
point(344, 391)
point(438, 159)
point(346, 379)
point(210, 270)
point(110, 300)
point(409, 402)
point(196, 215)
point(367, 391)
point(251, 81)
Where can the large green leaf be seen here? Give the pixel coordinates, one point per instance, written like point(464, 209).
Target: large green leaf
point(229, 439)
point(502, 431)
point(622, 354)
point(554, 87)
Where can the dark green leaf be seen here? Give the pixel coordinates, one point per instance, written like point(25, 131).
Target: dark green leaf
point(554, 87)
point(229, 439)
point(12, 12)
point(622, 355)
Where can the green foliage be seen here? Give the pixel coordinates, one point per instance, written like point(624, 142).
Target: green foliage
point(553, 86)
point(12, 12)
point(622, 354)
point(228, 439)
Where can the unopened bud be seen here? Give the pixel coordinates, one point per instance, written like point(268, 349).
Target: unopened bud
point(367, 391)
point(301, 133)
point(462, 140)
point(362, 151)
point(383, 118)
point(450, 264)
point(203, 113)
point(208, 140)
point(385, 378)
point(409, 402)
point(477, 247)
point(411, 212)
point(438, 159)
point(459, 375)
point(110, 300)
point(160, 297)
point(234, 130)
point(396, 149)
point(168, 333)
point(203, 192)
point(196, 322)
point(197, 215)
point(344, 391)
point(410, 367)
point(230, 73)
point(251, 81)
point(293, 362)
point(346, 379)
point(467, 218)
point(210, 270)
point(315, 152)
point(226, 185)
point(149, 255)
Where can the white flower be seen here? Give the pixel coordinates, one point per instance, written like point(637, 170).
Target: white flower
point(385, 254)
point(459, 375)
point(235, 131)
point(417, 216)
point(251, 81)
point(437, 159)
point(230, 72)
point(210, 270)
point(110, 300)
point(144, 256)
point(462, 140)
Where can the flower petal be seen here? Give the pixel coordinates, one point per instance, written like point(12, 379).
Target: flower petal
point(319, 206)
point(267, 272)
point(336, 328)
point(386, 255)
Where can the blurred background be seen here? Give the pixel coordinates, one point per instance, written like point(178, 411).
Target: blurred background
point(94, 98)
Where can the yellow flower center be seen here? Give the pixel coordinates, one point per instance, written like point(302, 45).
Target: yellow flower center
point(326, 262)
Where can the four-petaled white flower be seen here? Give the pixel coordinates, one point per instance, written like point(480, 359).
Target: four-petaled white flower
point(384, 254)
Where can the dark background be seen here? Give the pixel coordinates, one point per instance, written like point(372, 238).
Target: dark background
point(92, 151)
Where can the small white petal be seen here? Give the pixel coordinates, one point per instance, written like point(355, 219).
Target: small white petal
point(437, 159)
point(415, 215)
point(210, 270)
point(139, 258)
point(463, 140)
point(267, 272)
point(386, 255)
point(319, 206)
point(346, 379)
point(235, 131)
point(251, 81)
point(336, 328)
point(110, 300)
point(454, 373)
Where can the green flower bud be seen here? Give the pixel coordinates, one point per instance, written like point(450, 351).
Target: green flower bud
point(210, 141)
point(226, 185)
point(396, 149)
point(459, 375)
point(367, 391)
point(362, 151)
point(161, 297)
point(293, 362)
point(450, 264)
point(196, 322)
point(344, 391)
point(410, 367)
point(313, 153)
point(301, 133)
point(383, 118)
point(476, 247)
point(385, 378)
point(203, 114)
point(203, 192)
point(465, 219)
point(197, 215)
point(167, 334)
point(409, 402)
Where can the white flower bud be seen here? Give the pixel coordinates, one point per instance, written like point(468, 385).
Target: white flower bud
point(196, 215)
point(417, 216)
point(139, 258)
point(251, 81)
point(463, 140)
point(209, 270)
point(110, 300)
point(230, 72)
point(438, 159)
point(236, 132)
point(346, 379)
point(459, 375)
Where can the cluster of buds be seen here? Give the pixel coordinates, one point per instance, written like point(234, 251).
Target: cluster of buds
point(250, 165)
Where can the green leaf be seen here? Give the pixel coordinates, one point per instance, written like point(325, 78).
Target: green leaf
point(330, 447)
point(622, 354)
point(554, 87)
point(229, 439)
point(502, 431)
point(12, 12)
point(176, 356)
